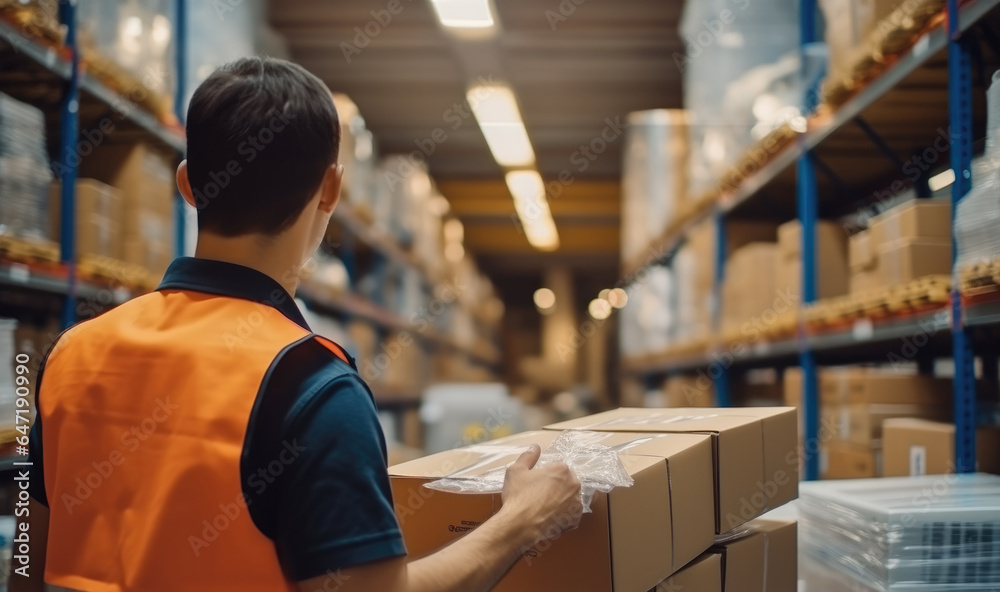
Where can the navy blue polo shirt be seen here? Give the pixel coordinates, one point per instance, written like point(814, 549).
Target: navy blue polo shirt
point(332, 508)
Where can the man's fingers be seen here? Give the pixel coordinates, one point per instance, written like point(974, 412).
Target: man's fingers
point(529, 458)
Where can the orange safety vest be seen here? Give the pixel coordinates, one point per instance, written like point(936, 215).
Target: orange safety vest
point(145, 411)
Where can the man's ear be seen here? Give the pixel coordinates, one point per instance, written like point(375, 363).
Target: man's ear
point(330, 192)
point(184, 184)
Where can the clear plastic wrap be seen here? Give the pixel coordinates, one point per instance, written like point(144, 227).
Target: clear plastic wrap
point(25, 175)
point(654, 176)
point(596, 465)
point(725, 41)
point(978, 214)
point(936, 533)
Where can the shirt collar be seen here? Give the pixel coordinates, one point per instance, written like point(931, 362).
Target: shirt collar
point(229, 279)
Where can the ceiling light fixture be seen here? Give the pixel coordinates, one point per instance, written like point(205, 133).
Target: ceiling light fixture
point(464, 14)
point(495, 109)
point(544, 298)
point(599, 308)
point(941, 180)
point(528, 191)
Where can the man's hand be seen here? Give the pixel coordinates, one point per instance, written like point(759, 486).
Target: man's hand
point(543, 501)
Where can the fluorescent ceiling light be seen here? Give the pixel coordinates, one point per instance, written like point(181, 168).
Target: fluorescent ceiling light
point(528, 191)
point(464, 14)
point(941, 180)
point(496, 112)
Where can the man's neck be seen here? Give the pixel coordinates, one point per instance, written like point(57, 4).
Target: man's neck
point(272, 257)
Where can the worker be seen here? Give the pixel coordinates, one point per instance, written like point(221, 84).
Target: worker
point(202, 438)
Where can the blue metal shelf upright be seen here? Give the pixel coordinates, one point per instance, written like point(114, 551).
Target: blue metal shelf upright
point(960, 118)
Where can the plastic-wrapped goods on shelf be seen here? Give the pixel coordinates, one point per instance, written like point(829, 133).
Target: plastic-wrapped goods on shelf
point(25, 174)
point(725, 40)
point(405, 190)
point(654, 176)
point(934, 533)
point(128, 44)
point(7, 394)
point(647, 323)
point(848, 24)
point(978, 215)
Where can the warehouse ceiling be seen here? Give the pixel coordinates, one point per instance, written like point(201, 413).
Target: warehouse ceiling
point(578, 67)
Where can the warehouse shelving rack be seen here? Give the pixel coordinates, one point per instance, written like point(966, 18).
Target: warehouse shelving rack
point(798, 171)
point(60, 69)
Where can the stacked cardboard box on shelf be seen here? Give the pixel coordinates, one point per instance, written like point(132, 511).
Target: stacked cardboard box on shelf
point(686, 475)
point(145, 177)
point(855, 403)
point(24, 171)
point(906, 242)
point(749, 288)
point(688, 391)
point(913, 447)
point(98, 218)
point(831, 259)
point(848, 25)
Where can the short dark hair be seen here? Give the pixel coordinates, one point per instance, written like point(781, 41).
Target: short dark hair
point(261, 133)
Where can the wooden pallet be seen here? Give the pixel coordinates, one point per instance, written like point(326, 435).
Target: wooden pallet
point(923, 293)
point(892, 37)
point(28, 250)
point(106, 270)
point(980, 277)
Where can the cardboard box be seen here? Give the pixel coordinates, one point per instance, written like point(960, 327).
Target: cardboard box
point(142, 173)
point(844, 460)
point(754, 448)
point(154, 256)
point(762, 561)
point(750, 284)
point(908, 259)
point(634, 537)
point(861, 253)
point(831, 258)
point(704, 574)
point(914, 447)
point(923, 219)
point(687, 391)
point(862, 282)
point(99, 210)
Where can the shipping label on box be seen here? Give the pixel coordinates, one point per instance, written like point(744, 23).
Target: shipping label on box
point(634, 537)
point(756, 461)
